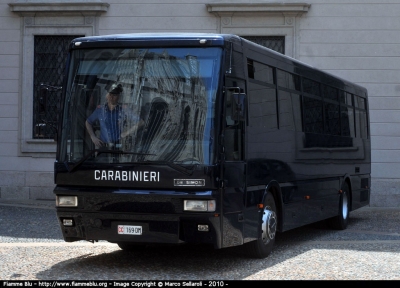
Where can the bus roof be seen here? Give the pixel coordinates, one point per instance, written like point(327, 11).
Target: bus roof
point(165, 39)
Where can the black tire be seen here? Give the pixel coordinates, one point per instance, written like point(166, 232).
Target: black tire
point(128, 246)
point(340, 221)
point(262, 247)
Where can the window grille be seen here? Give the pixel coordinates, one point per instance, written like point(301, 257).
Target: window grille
point(50, 55)
point(276, 43)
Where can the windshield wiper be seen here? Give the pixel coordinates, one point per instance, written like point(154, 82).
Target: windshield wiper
point(71, 167)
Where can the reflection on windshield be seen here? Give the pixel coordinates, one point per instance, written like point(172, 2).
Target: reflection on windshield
point(152, 104)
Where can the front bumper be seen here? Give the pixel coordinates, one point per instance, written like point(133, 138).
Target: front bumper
point(93, 226)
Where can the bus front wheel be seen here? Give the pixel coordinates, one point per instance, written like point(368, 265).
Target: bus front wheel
point(262, 247)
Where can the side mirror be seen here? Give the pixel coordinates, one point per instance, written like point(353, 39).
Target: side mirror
point(239, 106)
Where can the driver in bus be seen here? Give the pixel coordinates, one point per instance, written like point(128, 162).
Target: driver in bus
point(112, 118)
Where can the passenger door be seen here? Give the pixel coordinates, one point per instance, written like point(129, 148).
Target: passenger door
point(234, 123)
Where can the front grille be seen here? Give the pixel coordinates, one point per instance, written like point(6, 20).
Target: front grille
point(154, 204)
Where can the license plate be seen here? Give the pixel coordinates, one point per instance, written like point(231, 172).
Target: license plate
point(130, 230)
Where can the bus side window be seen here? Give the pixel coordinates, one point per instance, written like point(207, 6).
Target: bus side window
point(228, 111)
point(234, 121)
point(361, 117)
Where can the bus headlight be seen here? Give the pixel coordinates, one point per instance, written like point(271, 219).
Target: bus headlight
point(66, 201)
point(199, 205)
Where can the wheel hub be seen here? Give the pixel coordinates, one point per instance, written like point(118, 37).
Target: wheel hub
point(268, 225)
point(345, 206)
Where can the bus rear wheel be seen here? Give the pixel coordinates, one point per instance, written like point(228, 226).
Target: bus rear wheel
point(262, 247)
point(340, 221)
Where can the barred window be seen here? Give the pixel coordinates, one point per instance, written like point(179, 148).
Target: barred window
point(313, 115)
point(311, 87)
point(276, 43)
point(50, 55)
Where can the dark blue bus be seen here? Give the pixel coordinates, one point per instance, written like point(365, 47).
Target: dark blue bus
point(204, 138)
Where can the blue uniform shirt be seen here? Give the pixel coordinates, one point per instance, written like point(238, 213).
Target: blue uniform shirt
point(111, 122)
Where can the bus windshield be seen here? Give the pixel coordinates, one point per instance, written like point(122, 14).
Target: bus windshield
point(140, 105)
